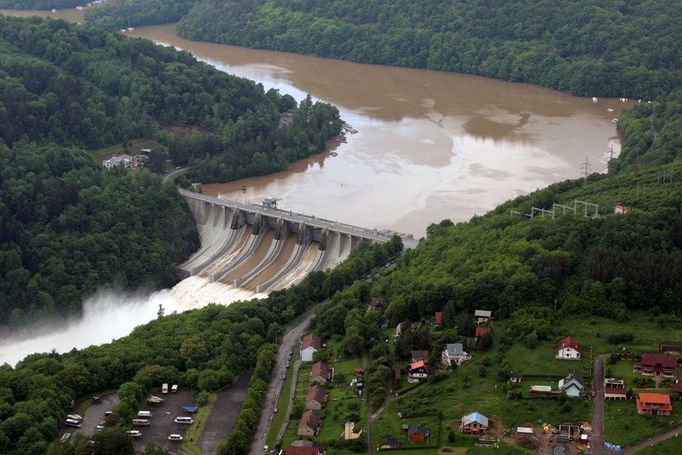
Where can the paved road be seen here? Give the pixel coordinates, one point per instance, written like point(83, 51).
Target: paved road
point(275, 385)
point(598, 406)
point(651, 441)
point(224, 414)
point(174, 172)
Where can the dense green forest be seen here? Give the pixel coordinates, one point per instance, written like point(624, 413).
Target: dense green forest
point(202, 350)
point(135, 13)
point(588, 48)
point(40, 4)
point(68, 227)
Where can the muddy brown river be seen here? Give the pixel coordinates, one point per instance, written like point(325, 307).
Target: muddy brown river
point(430, 145)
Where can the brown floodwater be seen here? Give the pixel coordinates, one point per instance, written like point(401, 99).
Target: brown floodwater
point(430, 145)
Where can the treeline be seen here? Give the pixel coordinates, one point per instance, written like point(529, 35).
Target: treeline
point(135, 13)
point(202, 350)
point(40, 4)
point(67, 227)
point(593, 48)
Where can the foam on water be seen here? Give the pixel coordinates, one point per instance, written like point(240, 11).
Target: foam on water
point(197, 292)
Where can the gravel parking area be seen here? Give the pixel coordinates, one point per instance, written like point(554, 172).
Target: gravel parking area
point(224, 414)
point(162, 423)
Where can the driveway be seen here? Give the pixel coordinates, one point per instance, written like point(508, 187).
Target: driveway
point(224, 414)
point(275, 385)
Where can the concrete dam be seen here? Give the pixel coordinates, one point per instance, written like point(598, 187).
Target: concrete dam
point(260, 248)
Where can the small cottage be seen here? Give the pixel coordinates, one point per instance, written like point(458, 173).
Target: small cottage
point(310, 345)
point(568, 349)
point(418, 433)
point(474, 423)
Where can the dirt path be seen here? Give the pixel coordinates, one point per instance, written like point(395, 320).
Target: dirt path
point(292, 399)
point(598, 406)
point(224, 414)
point(651, 441)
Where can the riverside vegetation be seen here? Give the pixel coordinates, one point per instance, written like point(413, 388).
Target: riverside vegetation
point(68, 227)
point(587, 48)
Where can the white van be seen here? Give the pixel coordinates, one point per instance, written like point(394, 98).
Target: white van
point(74, 417)
point(141, 422)
point(185, 420)
point(144, 414)
point(164, 388)
point(175, 437)
point(174, 388)
point(134, 433)
point(72, 423)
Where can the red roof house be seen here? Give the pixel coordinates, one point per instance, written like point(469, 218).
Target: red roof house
point(417, 371)
point(309, 424)
point(439, 318)
point(315, 398)
point(320, 374)
point(310, 345)
point(569, 349)
point(481, 331)
point(293, 450)
point(657, 404)
point(658, 364)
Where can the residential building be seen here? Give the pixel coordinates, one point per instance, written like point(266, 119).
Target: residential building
point(614, 389)
point(316, 398)
point(417, 371)
point(677, 387)
point(309, 424)
point(438, 319)
point(483, 316)
point(310, 345)
point(454, 353)
point(305, 447)
point(621, 209)
point(350, 432)
point(420, 355)
point(572, 385)
point(320, 374)
point(418, 433)
point(654, 364)
point(657, 404)
point(670, 347)
point(123, 161)
point(474, 423)
point(390, 443)
point(569, 349)
point(481, 331)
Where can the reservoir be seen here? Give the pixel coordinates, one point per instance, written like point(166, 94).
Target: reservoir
point(425, 146)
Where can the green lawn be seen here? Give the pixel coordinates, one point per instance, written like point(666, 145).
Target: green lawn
point(282, 404)
point(625, 427)
point(101, 154)
point(389, 425)
point(190, 444)
point(672, 446)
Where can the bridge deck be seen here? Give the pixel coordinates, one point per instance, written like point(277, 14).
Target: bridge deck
point(370, 234)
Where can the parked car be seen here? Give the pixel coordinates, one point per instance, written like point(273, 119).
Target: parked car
point(175, 437)
point(100, 426)
point(134, 433)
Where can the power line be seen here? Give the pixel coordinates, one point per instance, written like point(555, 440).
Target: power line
point(586, 167)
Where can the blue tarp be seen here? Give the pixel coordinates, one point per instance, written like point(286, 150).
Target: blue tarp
point(189, 408)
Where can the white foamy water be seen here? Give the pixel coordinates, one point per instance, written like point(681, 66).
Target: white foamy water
point(197, 292)
point(106, 316)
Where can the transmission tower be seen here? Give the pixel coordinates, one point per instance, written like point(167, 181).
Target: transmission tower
point(585, 167)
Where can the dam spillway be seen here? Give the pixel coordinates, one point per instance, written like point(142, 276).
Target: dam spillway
point(260, 248)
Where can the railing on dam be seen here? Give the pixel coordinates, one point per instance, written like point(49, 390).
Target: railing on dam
point(313, 221)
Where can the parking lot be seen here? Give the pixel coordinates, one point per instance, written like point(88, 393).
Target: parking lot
point(162, 423)
point(94, 415)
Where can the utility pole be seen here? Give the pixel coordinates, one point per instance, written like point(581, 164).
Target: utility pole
point(585, 167)
point(611, 152)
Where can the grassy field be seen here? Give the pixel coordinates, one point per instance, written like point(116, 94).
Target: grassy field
point(625, 427)
point(101, 154)
point(672, 446)
point(389, 425)
point(282, 404)
point(190, 445)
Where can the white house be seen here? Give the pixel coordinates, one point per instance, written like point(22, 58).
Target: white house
point(572, 385)
point(454, 353)
point(124, 161)
point(569, 349)
point(310, 345)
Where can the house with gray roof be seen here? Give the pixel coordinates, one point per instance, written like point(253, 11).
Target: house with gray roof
point(454, 353)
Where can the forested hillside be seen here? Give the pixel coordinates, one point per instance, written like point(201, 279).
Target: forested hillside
point(520, 268)
point(40, 4)
point(202, 350)
point(588, 48)
point(128, 13)
point(67, 226)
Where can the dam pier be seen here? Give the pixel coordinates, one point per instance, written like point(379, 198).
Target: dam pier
point(260, 248)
